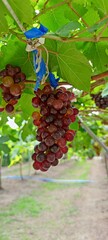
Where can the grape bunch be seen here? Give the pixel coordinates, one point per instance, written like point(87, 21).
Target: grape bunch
point(101, 102)
point(53, 116)
point(12, 85)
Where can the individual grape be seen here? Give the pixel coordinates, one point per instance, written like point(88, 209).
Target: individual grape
point(70, 111)
point(58, 123)
point(47, 89)
point(66, 121)
point(42, 147)
point(40, 157)
point(50, 101)
point(37, 165)
point(36, 149)
point(3, 73)
point(13, 101)
point(69, 136)
point(46, 164)
point(52, 128)
point(72, 118)
point(50, 118)
point(53, 111)
point(1, 109)
point(7, 81)
point(4, 89)
point(19, 77)
point(40, 131)
point(9, 108)
point(55, 163)
point(36, 122)
point(61, 142)
point(45, 134)
point(63, 97)
point(49, 141)
point(35, 102)
point(63, 110)
point(7, 97)
point(17, 69)
point(54, 148)
point(36, 115)
point(15, 90)
point(75, 111)
point(59, 154)
point(56, 135)
point(62, 132)
point(50, 157)
point(44, 97)
point(34, 156)
point(57, 104)
point(44, 111)
point(64, 149)
point(38, 138)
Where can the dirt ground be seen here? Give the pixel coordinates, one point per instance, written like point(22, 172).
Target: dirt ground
point(72, 213)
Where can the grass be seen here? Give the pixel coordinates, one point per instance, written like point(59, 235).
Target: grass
point(26, 205)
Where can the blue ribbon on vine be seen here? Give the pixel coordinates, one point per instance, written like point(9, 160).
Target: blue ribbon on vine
point(38, 62)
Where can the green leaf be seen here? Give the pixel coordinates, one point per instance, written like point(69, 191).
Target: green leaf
point(27, 130)
point(54, 19)
point(23, 10)
point(96, 53)
point(72, 66)
point(15, 53)
point(68, 29)
point(3, 24)
point(91, 17)
point(97, 26)
point(4, 148)
point(105, 91)
point(25, 102)
point(4, 139)
point(102, 6)
point(74, 125)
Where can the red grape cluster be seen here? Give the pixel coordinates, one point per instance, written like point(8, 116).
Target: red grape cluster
point(53, 117)
point(12, 86)
point(101, 102)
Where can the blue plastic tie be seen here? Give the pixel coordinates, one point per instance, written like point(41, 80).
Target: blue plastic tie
point(37, 33)
point(53, 80)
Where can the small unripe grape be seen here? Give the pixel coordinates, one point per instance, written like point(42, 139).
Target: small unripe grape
point(15, 90)
point(8, 81)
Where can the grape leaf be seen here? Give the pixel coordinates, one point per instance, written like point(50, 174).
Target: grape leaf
point(102, 6)
point(71, 65)
point(91, 17)
point(105, 91)
point(68, 29)
point(15, 53)
point(25, 102)
point(23, 10)
point(96, 53)
point(54, 19)
point(3, 21)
